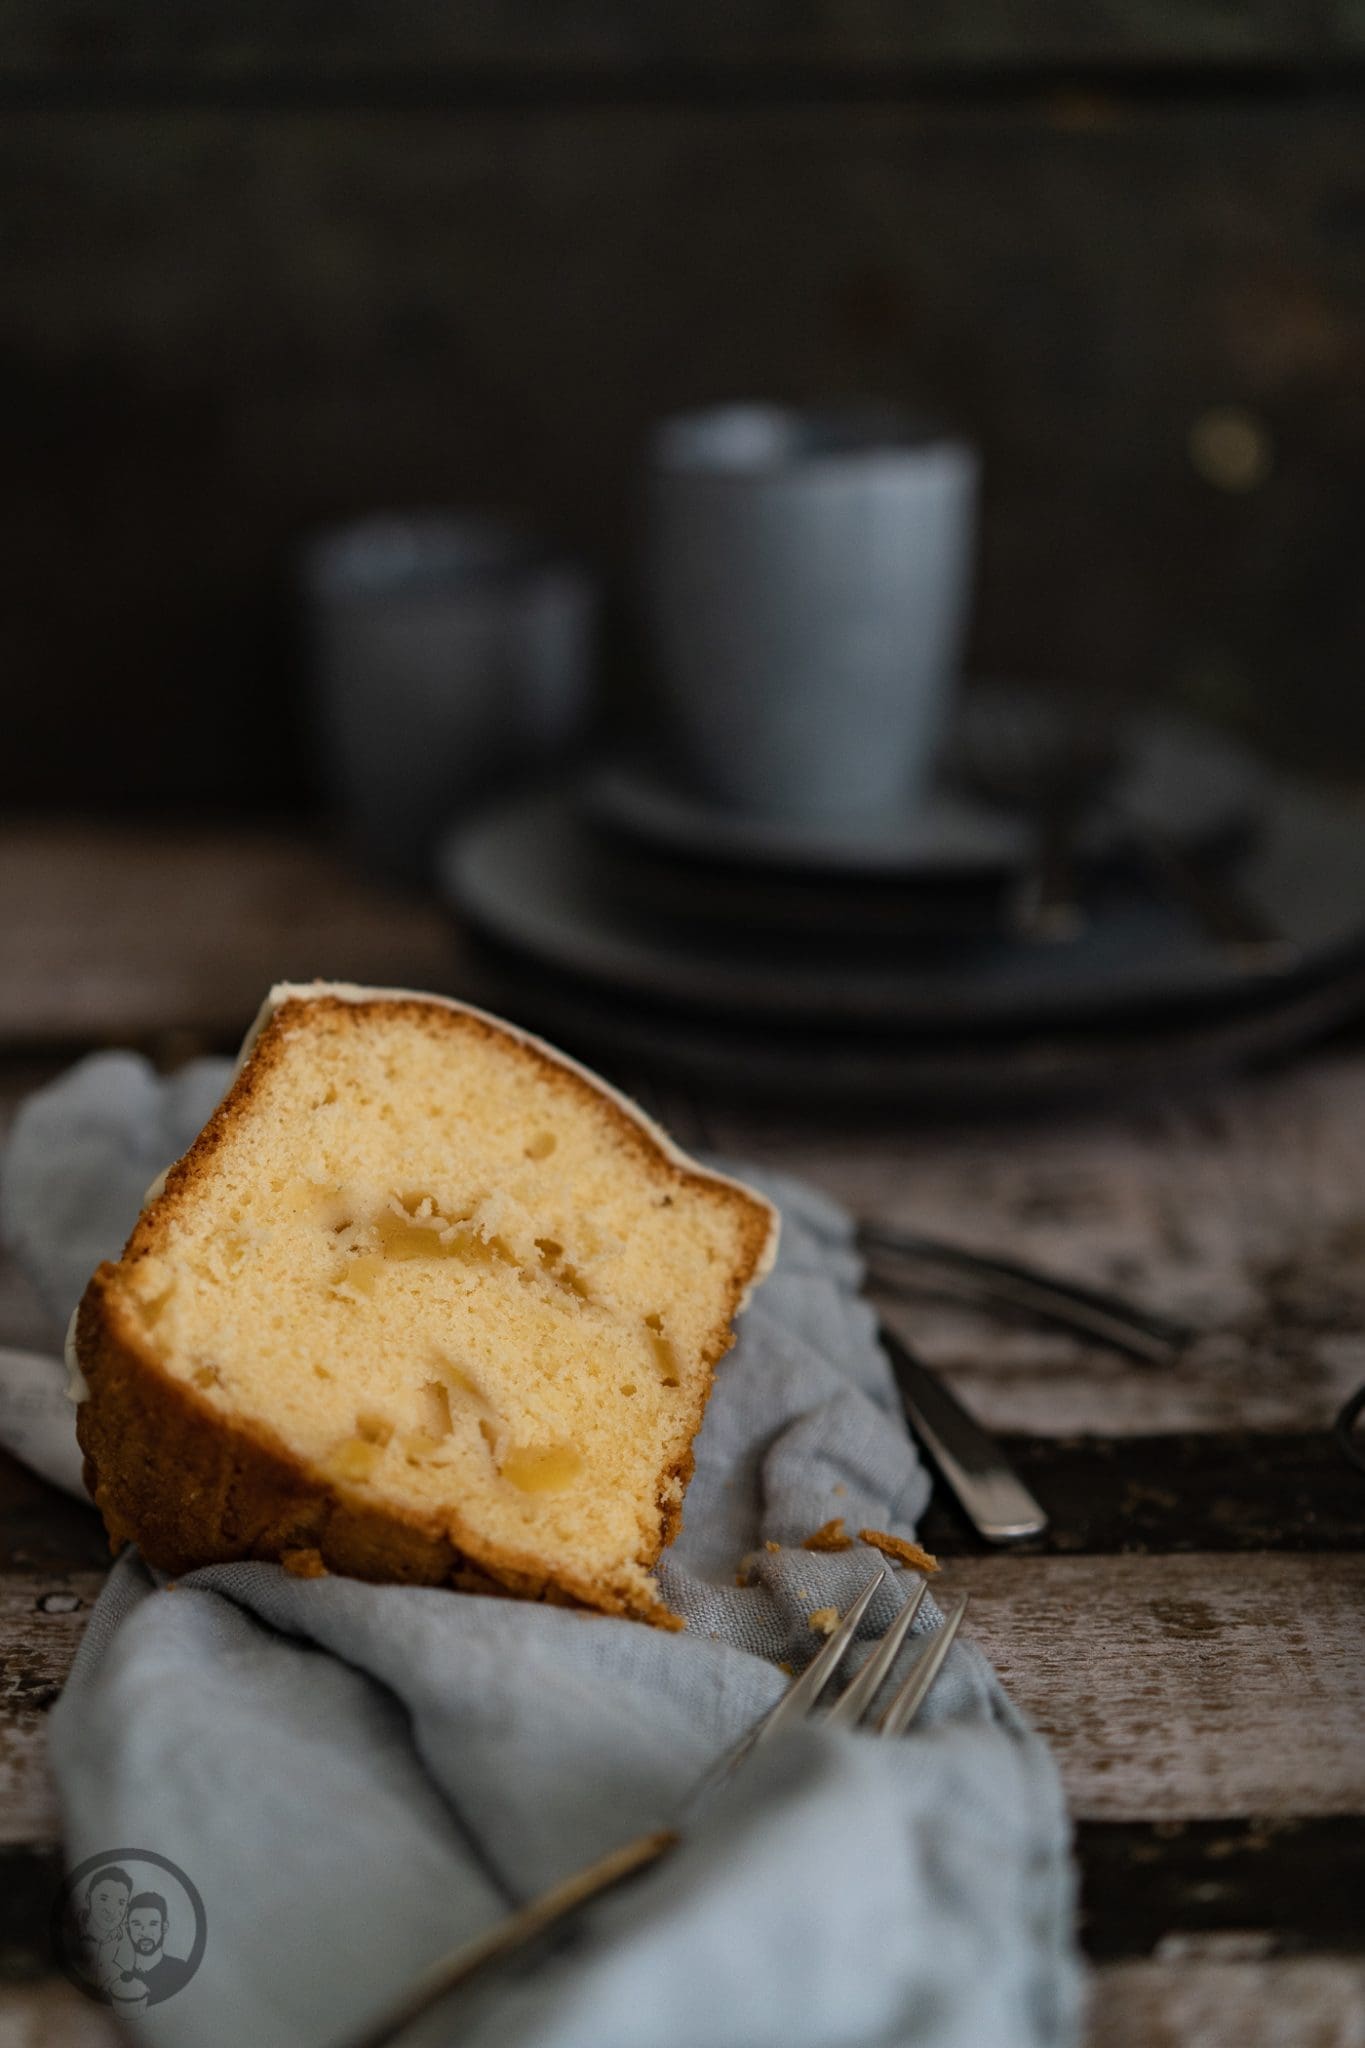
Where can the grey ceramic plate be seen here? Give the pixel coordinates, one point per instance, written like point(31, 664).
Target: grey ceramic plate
point(534, 879)
point(964, 1075)
point(1193, 784)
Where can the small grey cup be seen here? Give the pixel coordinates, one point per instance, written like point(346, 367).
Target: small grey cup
point(449, 653)
point(808, 580)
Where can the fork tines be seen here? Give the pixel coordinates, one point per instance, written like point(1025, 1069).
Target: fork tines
point(854, 1706)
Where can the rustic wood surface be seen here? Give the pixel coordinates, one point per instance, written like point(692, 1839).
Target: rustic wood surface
point(1310, 2004)
point(1159, 1681)
point(42, 1620)
point(1190, 1632)
point(1163, 1682)
point(114, 935)
point(1247, 2004)
point(1241, 1212)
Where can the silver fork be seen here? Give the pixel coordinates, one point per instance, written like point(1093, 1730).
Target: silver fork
point(853, 1707)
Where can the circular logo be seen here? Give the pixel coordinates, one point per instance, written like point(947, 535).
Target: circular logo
point(129, 1929)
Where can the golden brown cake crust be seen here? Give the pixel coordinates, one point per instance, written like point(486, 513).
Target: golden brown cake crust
point(192, 1486)
point(900, 1550)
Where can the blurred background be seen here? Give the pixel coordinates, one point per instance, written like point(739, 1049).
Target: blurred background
point(259, 280)
point(264, 278)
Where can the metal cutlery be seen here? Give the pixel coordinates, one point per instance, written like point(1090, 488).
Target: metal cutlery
point(988, 1489)
point(971, 1463)
point(910, 1262)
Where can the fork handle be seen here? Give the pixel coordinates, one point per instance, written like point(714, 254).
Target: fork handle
point(989, 1490)
point(513, 1934)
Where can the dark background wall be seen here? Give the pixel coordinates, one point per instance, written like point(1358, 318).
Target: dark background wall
point(259, 277)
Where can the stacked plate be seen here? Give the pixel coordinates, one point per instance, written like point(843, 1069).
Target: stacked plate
point(882, 959)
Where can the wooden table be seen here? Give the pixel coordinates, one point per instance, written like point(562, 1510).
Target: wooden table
point(1191, 1633)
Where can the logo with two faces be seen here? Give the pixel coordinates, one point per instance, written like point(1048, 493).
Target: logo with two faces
point(128, 1928)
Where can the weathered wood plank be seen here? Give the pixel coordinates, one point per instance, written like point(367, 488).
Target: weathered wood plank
point(1180, 1708)
point(1133, 1495)
point(1136, 1496)
point(1184, 1687)
point(1330, 1986)
point(1187, 1887)
point(1318, 2003)
point(1153, 1496)
point(1294, 1886)
point(1278, 1374)
point(1172, 1689)
point(1210, 1991)
point(41, 1623)
point(1242, 1213)
point(1161, 1494)
point(168, 937)
point(1244, 2003)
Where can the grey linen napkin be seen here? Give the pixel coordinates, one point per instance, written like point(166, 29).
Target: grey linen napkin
point(357, 1777)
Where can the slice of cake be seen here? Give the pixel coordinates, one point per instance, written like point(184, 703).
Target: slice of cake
point(425, 1301)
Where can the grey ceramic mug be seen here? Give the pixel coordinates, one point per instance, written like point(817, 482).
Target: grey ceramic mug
point(808, 577)
point(450, 652)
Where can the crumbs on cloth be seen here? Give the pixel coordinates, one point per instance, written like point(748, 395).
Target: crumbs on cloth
point(304, 1564)
point(832, 1536)
point(824, 1621)
point(901, 1551)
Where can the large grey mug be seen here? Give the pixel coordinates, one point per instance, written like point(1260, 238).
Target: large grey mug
point(449, 653)
point(808, 582)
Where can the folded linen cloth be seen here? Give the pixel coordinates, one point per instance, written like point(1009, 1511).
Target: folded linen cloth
point(357, 1778)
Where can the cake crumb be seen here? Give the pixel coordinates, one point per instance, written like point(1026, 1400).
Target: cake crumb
point(770, 1545)
point(824, 1620)
point(304, 1564)
point(829, 1536)
point(899, 1550)
point(839, 1488)
point(785, 1666)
